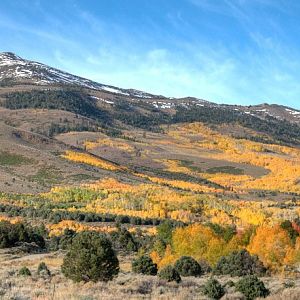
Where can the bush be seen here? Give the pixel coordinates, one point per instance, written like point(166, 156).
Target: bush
point(61, 242)
point(169, 274)
point(164, 236)
point(289, 284)
point(252, 287)
point(123, 240)
point(164, 232)
point(229, 283)
point(205, 267)
point(24, 271)
point(12, 234)
point(90, 258)
point(43, 269)
point(187, 266)
point(227, 232)
point(213, 289)
point(288, 227)
point(66, 239)
point(144, 265)
point(240, 263)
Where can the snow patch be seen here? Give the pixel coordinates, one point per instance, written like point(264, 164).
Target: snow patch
point(12, 66)
point(293, 112)
point(113, 90)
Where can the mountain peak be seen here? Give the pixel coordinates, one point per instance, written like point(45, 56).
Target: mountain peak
point(9, 58)
point(19, 70)
point(9, 54)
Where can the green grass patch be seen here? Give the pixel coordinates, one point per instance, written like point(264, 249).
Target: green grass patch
point(46, 176)
point(11, 159)
point(226, 169)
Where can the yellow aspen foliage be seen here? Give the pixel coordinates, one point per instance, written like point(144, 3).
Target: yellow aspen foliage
point(58, 229)
point(249, 216)
point(219, 217)
point(12, 220)
point(106, 142)
point(144, 200)
point(237, 182)
point(271, 245)
point(217, 248)
point(90, 160)
point(282, 162)
point(109, 184)
point(181, 184)
point(168, 259)
point(174, 166)
point(293, 254)
point(199, 242)
point(155, 257)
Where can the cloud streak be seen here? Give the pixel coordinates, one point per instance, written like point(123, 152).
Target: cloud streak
point(170, 55)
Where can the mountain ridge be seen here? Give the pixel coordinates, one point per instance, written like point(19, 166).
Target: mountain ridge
point(14, 67)
point(128, 106)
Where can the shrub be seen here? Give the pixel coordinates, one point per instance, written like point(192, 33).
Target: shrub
point(90, 258)
point(289, 284)
point(169, 274)
point(288, 226)
point(164, 232)
point(213, 289)
point(239, 263)
point(204, 265)
point(227, 233)
point(123, 240)
point(61, 242)
point(12, 234)
point(24, 271)
point(66, 239)
point(229, 283)
point(188, 266)
point(163, 237)
point(43, 269)
point(144, 265)
point(252, 287)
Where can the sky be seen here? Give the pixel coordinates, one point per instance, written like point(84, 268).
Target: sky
point(226, 51)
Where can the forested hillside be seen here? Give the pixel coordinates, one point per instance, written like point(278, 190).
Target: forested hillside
point(119, 193)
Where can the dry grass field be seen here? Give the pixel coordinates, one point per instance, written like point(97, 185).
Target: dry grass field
point(127, 285)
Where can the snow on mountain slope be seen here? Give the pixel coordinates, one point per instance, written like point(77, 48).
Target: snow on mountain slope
point(271, 110)
point(16, 68)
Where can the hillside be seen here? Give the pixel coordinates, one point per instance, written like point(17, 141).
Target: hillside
point(44, 111)
point(162, 176)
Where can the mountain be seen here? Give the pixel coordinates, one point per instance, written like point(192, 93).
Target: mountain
point(45, 112)
point(16, 70)
point(13, 68)
point(31, 85)
point(271, 110)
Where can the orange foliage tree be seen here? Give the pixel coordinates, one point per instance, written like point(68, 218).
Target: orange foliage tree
point(271, 245)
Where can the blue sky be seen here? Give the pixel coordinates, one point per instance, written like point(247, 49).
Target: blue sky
point(230, 51)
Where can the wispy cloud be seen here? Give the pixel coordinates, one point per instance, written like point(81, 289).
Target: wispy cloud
point(176, 58)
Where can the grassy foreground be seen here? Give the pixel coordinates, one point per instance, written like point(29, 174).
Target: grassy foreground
point(126, 286)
